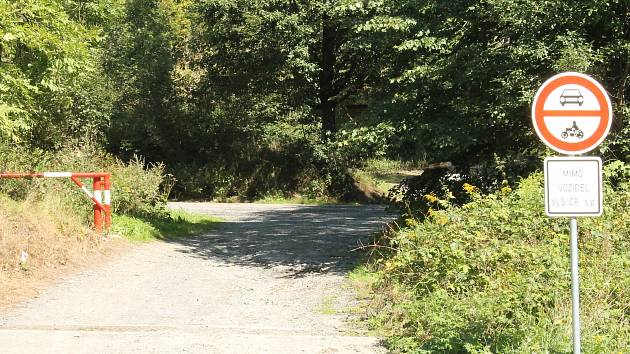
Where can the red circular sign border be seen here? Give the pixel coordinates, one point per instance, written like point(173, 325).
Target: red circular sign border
point(605, 113)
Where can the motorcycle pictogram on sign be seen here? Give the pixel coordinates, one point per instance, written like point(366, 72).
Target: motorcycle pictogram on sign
point(573, 131)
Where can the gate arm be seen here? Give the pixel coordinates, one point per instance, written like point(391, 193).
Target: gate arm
point(87, 191)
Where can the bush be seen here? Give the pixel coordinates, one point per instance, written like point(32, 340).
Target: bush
point(488, 176)
point(283, 161)
point(350, 149)
point(136, 188)
point(493, 275)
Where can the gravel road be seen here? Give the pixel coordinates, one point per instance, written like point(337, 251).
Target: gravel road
point(270, 279)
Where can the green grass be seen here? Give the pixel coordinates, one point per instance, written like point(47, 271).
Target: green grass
point(386, 165)
point(297, 200)
point(383, 173)
point(282, 199)
point(383, 185)
point(179, 224)
point(327, 306)
point(363, 280)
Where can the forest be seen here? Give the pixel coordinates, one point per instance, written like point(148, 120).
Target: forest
point(247, 99)
point(250, 98)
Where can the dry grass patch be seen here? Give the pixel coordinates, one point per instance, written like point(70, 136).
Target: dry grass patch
point(40, 239)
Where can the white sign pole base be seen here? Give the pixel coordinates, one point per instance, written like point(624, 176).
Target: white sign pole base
point(575, 286)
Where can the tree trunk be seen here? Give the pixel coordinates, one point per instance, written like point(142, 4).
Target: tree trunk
point(327, 77)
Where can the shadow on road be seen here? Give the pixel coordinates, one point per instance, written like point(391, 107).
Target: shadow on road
point(303, 239)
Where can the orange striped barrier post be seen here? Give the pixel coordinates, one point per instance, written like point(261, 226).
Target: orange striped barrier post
point(100, 194)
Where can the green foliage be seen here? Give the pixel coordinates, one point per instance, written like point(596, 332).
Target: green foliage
point(249, 98)
point(347, 150)
point(175, 224)
point(444, 181)
point(448, 79)
point(139, 189)
point(51, 85)
point(493, 275)
point(385, 174)
point(279, 162)
point(143, 46)
point(354, 146)
point(232, 95)
point(460, 76)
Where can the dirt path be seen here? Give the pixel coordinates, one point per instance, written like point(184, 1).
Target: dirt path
point(270, 279)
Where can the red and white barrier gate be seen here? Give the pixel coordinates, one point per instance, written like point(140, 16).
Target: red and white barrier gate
point(101, 197)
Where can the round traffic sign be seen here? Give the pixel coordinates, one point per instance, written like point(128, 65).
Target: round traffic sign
point(572, 113)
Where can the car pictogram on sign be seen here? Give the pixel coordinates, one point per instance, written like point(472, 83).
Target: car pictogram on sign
point(571, 96)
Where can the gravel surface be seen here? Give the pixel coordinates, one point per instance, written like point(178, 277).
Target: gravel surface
point(270, 279)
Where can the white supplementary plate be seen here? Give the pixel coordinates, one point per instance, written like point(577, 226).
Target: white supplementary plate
point(573, 186)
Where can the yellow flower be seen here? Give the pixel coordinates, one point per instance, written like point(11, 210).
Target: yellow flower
point(411, 222)
point(469, 188)
point(431, 198)
point(439, 217)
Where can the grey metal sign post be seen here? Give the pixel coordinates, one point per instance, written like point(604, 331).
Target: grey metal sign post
point(572, 114)
point(575, 286)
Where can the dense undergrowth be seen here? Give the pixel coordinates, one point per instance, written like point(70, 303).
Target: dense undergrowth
point(136, 187)
point(291, 163)
point(492, 275)
point(139, 190)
